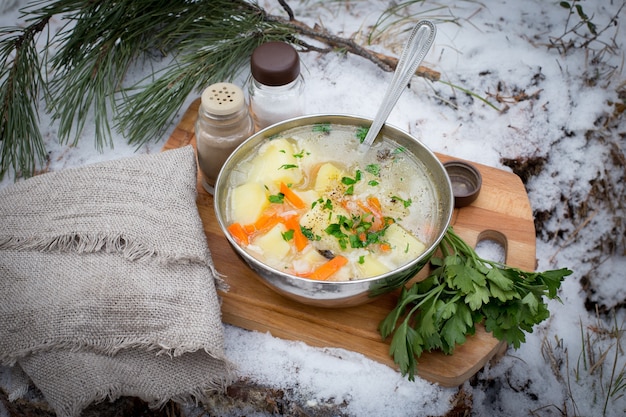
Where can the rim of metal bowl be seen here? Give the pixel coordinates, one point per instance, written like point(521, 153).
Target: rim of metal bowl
point(333, 119)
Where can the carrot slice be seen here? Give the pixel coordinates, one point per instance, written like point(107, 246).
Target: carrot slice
point(373, 207)
point(299, 240)
point(326, 270)
point(349, 205)
point(385, 247)
point(268, 219)
point(239, 233)
point(292, 197)
point(266, 222)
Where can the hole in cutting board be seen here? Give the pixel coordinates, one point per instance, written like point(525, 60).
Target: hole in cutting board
point(492, 245)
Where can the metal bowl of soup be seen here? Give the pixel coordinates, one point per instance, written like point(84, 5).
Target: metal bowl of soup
point(370, 218)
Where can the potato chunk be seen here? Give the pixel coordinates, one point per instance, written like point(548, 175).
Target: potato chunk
point(370, 266)
point(272, 244)
point(309, 259)
point(276, 163)
point(404, 246)
point(248, 202)
point(308, 196)
point(328, 178)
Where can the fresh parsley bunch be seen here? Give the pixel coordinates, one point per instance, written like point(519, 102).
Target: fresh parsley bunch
point(462, 290)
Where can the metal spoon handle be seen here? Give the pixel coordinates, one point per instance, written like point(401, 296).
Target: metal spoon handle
point(415, 49)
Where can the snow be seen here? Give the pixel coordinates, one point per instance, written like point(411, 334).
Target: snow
point(499, 51)
point(335, 375)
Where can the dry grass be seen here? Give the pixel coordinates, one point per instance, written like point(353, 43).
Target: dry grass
point(600, 364)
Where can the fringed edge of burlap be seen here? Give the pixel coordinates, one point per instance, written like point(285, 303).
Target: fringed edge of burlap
point(108, 347)
point(86, 243)
point(220, 282)
point(195, 396)
point(92, 243)
point(200, 393)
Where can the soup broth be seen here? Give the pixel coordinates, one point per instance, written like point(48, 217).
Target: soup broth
point(310, 203)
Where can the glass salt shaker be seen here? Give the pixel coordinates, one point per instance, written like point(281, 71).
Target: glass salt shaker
point(223, 123)
point(276, 87)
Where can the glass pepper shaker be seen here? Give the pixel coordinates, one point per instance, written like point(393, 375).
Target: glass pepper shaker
point(276, 87)
point(223, 123)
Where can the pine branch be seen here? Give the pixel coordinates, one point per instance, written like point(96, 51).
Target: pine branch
point(93, 59)
point(213, 48)
point(209, 40)
point(385, 62)
point(21, 143)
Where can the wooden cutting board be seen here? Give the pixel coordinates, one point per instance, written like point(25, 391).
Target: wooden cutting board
point(502, 212)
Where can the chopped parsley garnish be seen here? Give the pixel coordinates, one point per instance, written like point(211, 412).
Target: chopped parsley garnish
point(406, 203)
point(322, 128)
point(277, 198)
point(288, 235)
point(373, 169)
point(351, 181)
point(308, 233)
point(334, 229)
point(326, 204)
point(355, 231)
point(373, 183)
point(361, 133)
point(399, 149)
point(288, 166)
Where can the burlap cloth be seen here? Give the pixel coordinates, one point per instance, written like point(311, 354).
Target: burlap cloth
point(107, 287)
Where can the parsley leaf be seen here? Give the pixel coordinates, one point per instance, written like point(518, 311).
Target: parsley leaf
point(288, 235)
point(405, 203)
point(334, 229)
point(322, 128)
point(308, 233)
point(399, 149)
point(350, 182)
point(326, 204)
point(361, 133)
point(288, 166)
point(277, 198)
point(455, 328)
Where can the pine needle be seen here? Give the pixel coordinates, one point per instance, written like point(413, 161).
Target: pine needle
point(94, 56)
point(21, 143)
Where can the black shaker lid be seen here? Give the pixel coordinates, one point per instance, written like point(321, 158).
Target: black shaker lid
point(275, 63)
